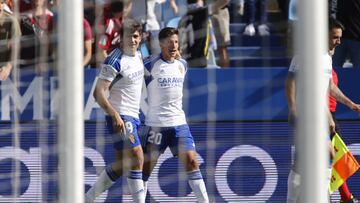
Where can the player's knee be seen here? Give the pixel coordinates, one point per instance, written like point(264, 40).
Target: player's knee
point(139, 158)
point(117, 167)
point(192, 164)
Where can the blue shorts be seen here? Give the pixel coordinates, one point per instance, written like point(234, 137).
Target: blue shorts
point(131, 137)
point(178, 139)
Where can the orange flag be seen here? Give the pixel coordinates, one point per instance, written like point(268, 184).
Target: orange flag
point(344, 164)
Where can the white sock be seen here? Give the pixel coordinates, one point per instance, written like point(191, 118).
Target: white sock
point(293, 187)
point(197, 185)
point(103, 183)
point(136, 186)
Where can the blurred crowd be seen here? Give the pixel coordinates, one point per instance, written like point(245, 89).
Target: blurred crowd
point(204, 40)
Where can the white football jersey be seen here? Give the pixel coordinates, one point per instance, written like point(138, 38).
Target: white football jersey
point(326, 61)
point(324, 80)
point(126, 74)
point(164, 81)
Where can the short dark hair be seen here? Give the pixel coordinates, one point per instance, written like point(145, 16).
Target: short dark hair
point(167, 32)
point(116, 6)
point(131, 26)
point(333, 23)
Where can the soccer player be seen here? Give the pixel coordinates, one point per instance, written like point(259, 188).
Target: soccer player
point(335, 33)
point(122, 74)
point(165, 118)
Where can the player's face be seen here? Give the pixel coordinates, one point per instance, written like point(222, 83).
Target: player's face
point(170, 47)
point(334, 38)
point(131, 42)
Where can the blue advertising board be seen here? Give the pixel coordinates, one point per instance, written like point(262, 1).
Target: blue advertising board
point(209, 95)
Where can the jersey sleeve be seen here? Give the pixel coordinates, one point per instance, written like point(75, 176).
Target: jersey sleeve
point(184, 63)
point(107, 73)
point(111, 66)
point(149, 64)
point(328, 66)
point(294, 65)
point(87, 30)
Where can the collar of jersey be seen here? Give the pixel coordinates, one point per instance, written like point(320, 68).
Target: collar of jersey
point(169, 62)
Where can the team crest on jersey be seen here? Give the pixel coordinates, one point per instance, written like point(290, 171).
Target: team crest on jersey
point(103, 70)
point(132, 138)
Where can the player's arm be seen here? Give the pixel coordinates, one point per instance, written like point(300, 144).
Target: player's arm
point(101, 98)
point(330, 118)
point(87, 52)
point(87, 43)
point(290, 90)
point(174, 6)
point(217, 5)
point(331, 122)
point(340, 97)
point(5, 71)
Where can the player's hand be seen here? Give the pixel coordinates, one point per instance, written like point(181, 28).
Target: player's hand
point(4, 72)
point(331, 150)
point(332, 127)
point(118, 124)
point(356, 108)
point(292, 118)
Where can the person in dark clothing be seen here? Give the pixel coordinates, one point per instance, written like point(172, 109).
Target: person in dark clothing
point(9, 30)
point(194, 31)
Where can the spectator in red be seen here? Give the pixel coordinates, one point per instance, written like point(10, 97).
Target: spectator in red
point(37, 27)
point(88, 35)
point(9, 6)
point(25, 6)
point(87, 43)
point(113, 22)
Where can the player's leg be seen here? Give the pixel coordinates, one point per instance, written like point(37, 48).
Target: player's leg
point(195, 178)
point(154, 144)
point(134, 177)
point(105, 180)
point(126, 162)
point(129, 159)
point(108, 176)
point(150, 159)
point(220, 22)
point(134, 156)
point(293, 187)
point(185, 146)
